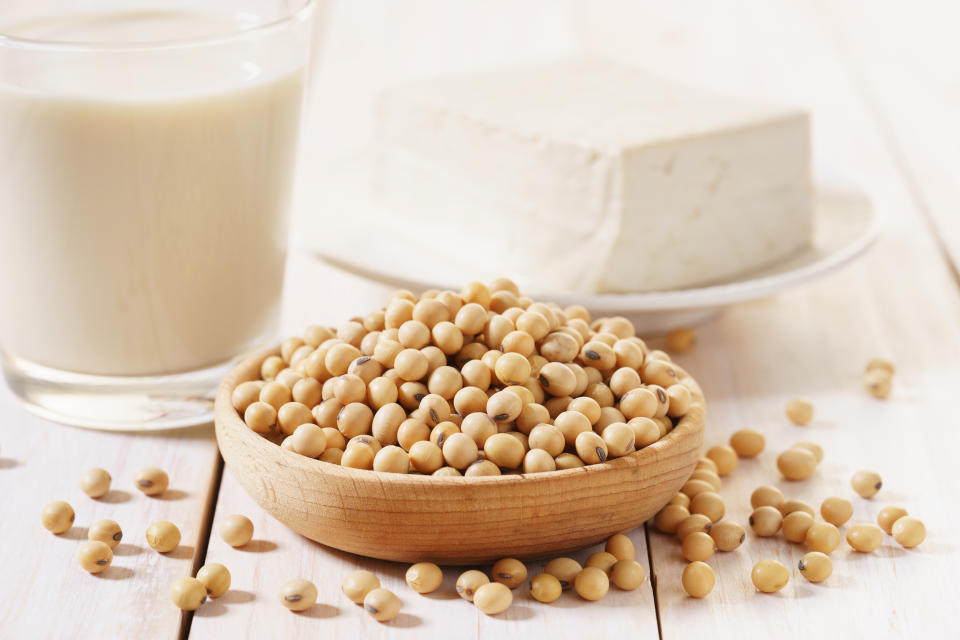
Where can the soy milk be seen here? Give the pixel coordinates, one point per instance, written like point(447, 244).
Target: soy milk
point(143, 215)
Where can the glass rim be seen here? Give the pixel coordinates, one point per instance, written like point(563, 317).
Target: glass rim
point(297, 10)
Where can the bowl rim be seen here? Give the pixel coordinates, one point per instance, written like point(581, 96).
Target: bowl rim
point(228, 418)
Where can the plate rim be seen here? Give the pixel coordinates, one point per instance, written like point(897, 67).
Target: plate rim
point(826, 178)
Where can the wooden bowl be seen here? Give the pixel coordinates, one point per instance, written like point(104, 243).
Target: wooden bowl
point(455, 520)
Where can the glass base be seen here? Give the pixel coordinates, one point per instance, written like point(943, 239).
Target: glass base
point(112, 403)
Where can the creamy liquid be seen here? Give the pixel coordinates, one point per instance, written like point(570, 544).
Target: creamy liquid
point(142, 225)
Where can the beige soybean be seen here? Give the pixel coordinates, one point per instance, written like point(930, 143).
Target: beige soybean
point(510, 572)
point(355, 419)
point(795, 526)
point(866, 483)
point(95, 482)
point(694, 487)
point(424, 577)
point(680, 400)
point(789, 506)
point(538, 461)
point(591, 448)
point(765, 521)
point(391, 459)
point(909, 532)
point(627, 574)
point(151, 481)
point(620, 439)
point(236, 530)
point(659, 372)
point(349, 388)
point(621, 547)
point(697, 579)
point(645, 431)
point(709, 504)
point(887, 517)
point(460, 451)
point(446, 471)
point(469, 582)
point(669, 518)
point(815, 566)
point(245, 394)
point(747, 443)
point(275, 394)
point(727, 535)
point(215, 577)
point(766, 496)
point(564, 569)
point(571, 424)
point(799, 411)
point(568, 461)
point(724, 457)
point(864, 537)
point(769, 576)
point(358, 456)
point(163, 536)
point(707, 476)
point(482, 468)
point(261, 417)
point(706, 463)
point(358, 584)
point(837, 511)
point(298, 595)
point(188, 594)
point(493, 598)
point(95, 556)
point(106, 531)
point(504, 406)
point(878, 383)
point(796, 464)
point(425, 457)
point(548, 438)
point(57, 516)
point(681, 499)
point(692, 523)
point(504, 450)
point(698, 545)
point(681, 340)
point(603, 560)
point(545, 588)
point(822, 537)
point(592, 583)
point(307, 391)
point(812, 447)
point(308, 440)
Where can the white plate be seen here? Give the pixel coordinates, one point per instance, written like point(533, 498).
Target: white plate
point(845, 225)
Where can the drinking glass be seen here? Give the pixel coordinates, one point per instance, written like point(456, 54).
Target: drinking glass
point(147, 151)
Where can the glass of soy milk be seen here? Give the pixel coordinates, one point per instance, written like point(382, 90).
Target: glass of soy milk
point(147, 150)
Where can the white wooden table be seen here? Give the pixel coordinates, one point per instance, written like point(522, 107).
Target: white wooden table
point(881, 80)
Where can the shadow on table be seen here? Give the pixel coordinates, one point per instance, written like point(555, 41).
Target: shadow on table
point(214, 607)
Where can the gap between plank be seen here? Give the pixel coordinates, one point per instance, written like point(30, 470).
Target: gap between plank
point(653, 580)
point(204, 541)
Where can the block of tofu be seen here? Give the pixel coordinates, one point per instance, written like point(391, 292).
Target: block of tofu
point(591, 177)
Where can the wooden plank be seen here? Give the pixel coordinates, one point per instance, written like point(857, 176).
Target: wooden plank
point(901, 302)
point(45, 592)
point(277, 554)
point(904, 57)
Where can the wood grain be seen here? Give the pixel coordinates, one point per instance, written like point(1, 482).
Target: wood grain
point(457, 520)
point(45, 592)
